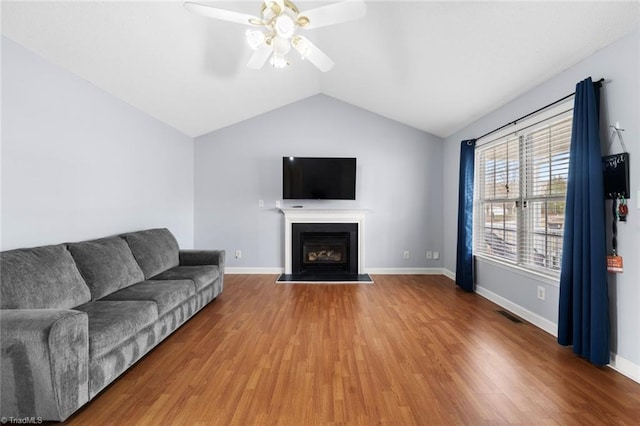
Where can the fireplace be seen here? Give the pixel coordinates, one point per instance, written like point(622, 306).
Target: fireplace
point(319, 223)
point(324, 248)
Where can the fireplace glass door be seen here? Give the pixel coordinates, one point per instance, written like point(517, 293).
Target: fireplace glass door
point(325, 251)
point(324, 248)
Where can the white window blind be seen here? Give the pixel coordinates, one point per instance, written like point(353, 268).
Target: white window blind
point(520, 191)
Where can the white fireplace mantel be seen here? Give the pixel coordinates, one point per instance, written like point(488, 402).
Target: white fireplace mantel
point(304, 215)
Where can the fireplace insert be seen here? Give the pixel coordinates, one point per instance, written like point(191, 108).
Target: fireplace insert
point(324, 248)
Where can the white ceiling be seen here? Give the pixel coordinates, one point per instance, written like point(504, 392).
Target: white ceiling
point(436, 66)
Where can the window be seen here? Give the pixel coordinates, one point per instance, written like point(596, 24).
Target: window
point(520, 190)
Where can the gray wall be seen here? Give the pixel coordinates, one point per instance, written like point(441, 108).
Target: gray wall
point(618, 63)
point(78, 163)
point(399, 180)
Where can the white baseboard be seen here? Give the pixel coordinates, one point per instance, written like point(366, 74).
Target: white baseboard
point(533, 318)
point(253, 271)
point(404, 271)
point(373, 271)
point(449, 274)
point(625, 367)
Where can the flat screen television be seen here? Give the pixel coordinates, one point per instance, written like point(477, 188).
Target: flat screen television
point(305, 178)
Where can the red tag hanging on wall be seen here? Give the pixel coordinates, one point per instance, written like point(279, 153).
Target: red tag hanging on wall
point(623, 210)
point(614, 264)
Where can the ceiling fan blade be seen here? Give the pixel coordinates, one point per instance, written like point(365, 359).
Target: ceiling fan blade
point(221, 14)
point(260, 56)
point(337, 13)
point(314, 55)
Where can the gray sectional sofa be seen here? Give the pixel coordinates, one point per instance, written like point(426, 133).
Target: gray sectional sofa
point(75, 316)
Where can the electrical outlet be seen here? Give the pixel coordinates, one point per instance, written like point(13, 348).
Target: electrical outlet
point(436, 255)
point(406, 254)
point(238, 254)
point(541, 294)
point(260, 203)
point(429, 255)
point(278, 204)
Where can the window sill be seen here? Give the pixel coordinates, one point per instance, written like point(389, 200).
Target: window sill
point(547, 279)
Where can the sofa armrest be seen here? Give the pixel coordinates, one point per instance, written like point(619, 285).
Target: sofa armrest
point(202, 257)
point(205, 257)
point(44, 362)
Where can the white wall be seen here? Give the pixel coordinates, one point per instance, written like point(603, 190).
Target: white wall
point(78, 163)
point(399, 179)
point(618, 64)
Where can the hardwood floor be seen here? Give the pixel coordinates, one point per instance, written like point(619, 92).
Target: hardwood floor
point(405, 350)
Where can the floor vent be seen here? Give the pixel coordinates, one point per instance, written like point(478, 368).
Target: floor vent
point(509, 316)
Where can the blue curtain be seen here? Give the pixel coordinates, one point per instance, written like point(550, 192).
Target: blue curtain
point(464, 256)
point(583, 319)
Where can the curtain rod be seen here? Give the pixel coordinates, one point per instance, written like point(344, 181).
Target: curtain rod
point(599, 83)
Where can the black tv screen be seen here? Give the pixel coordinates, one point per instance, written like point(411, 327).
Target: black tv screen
point(305, 178)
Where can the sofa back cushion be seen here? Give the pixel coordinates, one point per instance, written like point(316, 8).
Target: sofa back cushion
point(41, 278)
point(107, 265)
point(156, 250)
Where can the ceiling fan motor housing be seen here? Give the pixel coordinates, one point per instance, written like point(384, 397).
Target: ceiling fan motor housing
point(280, 25)
point(273, 33)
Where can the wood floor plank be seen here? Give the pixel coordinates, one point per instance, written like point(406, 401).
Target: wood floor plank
point(408, 350)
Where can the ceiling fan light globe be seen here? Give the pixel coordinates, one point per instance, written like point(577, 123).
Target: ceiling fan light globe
point(255, 38)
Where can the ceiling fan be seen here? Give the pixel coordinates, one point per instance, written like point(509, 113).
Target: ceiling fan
point(276, 29)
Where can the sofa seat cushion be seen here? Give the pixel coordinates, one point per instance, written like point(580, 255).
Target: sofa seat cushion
point(41, 278)
point(202, 276)
point(113, 322)
point(107, 265)
point(156, 250)
point(166, 294)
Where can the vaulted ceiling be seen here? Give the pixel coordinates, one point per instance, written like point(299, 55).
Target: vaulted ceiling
point(436, 66)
